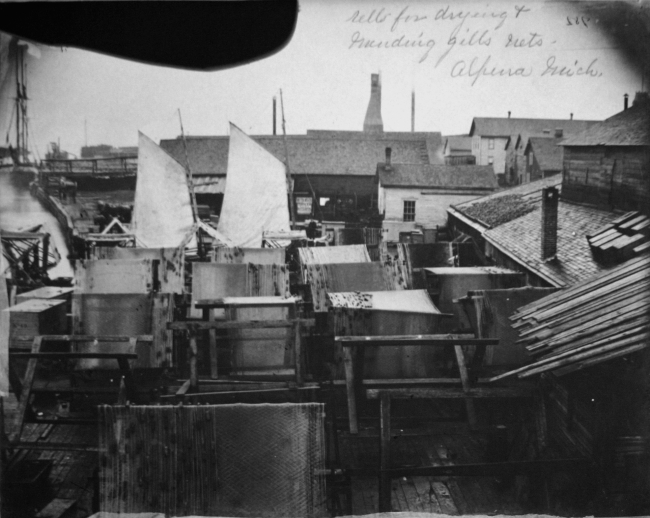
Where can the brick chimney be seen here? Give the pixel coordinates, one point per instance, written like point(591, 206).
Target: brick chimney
point(625, 98)
point(550, 197)
point(373, 122)
point(559, 132)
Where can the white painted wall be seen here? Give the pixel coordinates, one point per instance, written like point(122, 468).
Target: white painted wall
point(430, 209)
point(499, 153)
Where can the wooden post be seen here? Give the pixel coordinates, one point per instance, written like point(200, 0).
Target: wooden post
point(212, 341)
point(384, 454)
point(348, 364)
point(194, 376)
point(298, 355)
point(464, 378)
point(46, 247)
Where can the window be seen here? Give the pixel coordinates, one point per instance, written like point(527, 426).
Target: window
point(491, 143)
point(409, 210)
point(490, 160)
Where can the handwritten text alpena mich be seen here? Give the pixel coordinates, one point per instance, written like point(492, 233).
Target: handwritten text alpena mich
point(488, 38)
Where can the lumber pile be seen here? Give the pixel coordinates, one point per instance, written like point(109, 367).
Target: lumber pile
point(594, 321)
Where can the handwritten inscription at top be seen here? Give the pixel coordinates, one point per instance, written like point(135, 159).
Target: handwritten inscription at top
point(468, 40)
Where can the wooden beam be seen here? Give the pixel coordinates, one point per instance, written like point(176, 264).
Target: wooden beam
point(91, 338)
point(202, 325)
point(23, 403)
point(297, 347)
point(451, 393)
point(348, 365)
point(194, 375)
point(425, 340)
point(384, 454)
point(464, 378)
point(76, 356)
point(223, 303)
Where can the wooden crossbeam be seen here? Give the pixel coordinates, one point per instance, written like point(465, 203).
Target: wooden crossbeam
point(423, 340)
point(452, 393)
point(203, 325)
point(224, 303)
point(76, 356)
point(91, 338)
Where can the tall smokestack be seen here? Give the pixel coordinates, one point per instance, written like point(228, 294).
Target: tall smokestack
point(625, 99)
point(373, 122)
point(550, 198)
point(274, 115)
point(413, 111)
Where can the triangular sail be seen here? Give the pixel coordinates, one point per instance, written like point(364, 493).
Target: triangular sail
point(255, 199)
point(162, 212)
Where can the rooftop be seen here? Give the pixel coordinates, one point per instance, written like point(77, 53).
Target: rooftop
point(547, 152)
point(520, 238)
point(315, 153)
point(630, 127)
point(503, 206)
point(458, 142)
point(506, 127)
point(452, 177)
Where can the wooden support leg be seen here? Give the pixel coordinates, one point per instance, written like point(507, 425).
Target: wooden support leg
point(194, 375)
point(298, 355)
point(464, 378)
point(384, 453)
point(212, 340)
point(348, 364)
point(23, 403)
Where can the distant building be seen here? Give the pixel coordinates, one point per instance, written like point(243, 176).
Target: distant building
point(458, 150)
point(333, 171)
point(495, 132)
point(106, 151)
point(542, 158)
point(608, 164)
point(417, 196)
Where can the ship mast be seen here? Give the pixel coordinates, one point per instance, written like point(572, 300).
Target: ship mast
point(21, 107)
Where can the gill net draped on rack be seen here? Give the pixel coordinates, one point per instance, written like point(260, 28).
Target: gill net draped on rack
point(261, 460)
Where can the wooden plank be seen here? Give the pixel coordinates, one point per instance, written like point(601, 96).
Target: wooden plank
point(464, 377)
point(409, 381)
point(425, 340)
point(451, 393)
point(194, 374)
point(350, 384)
point(75, 356)
point(384, 453)
point(92, 338)
point(224, 303)
point(201, 325)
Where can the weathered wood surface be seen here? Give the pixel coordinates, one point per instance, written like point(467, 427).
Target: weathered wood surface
point(201, 325)
point(451, 393)
point(424, 340)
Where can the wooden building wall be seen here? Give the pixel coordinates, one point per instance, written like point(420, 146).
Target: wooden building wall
point(608, 176)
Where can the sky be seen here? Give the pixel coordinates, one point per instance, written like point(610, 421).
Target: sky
point(462, 60)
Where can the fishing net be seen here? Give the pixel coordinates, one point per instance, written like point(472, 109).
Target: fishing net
point(224, 460)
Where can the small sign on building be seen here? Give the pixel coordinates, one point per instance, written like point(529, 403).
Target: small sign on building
point(304, 205)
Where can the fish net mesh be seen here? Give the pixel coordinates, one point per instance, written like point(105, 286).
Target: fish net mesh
point(221, 460)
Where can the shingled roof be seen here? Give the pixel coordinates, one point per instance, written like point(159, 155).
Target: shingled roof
point(452, 177)
point(521, 238)
point(503, 206)
point(630, 127)
point(506, 127)
point(547, 152)
point(458, 143)
point(356, 154)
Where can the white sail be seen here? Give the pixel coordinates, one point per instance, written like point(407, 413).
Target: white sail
point(162, 212)
point(255, 199)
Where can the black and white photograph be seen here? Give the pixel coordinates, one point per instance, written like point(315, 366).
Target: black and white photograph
point(311, 259)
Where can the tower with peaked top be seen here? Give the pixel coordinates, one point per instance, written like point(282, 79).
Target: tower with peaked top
point(373, 122)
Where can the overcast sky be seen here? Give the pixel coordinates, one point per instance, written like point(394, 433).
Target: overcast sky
point(324, 73)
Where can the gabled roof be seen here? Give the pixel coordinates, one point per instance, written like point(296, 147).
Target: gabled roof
point(630, 127)
point(547, 152)
point(451, 177)
point(601, 318)
point(308, 154)
point(457, 143)
point(521, 238)
point(506, 127)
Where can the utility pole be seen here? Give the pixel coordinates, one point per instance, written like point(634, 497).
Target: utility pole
point(286, 155)
point(190, 185)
